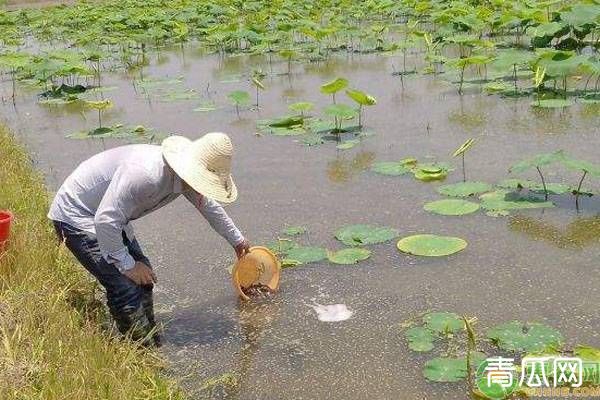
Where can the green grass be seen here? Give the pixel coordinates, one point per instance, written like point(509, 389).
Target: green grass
point(52, 345)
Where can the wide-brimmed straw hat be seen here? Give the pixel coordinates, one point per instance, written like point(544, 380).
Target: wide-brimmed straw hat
point(204, 164)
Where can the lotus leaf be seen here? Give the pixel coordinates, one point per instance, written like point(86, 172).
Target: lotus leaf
point(464, 189)
point(239, 97)
point(361, 98)
point(334, 86)
point(342, 111)
point(537, 161)
point(443, 322)
point(451, 207)
point(294, 230)
point(520, 336)
point(431, 245)
point(504, 200)
point(360, 235)
point(419, 339)
point(464, 147)
point(351, 255)
point(281, 246)
point(305, 255)
point(443, 369)
point(390, 168)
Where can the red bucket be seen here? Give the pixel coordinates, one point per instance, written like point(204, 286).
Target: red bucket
point(6, 218)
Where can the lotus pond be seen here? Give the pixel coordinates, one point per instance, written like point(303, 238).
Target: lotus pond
point(427, 171)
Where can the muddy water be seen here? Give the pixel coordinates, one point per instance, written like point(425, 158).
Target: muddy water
point(537, 265)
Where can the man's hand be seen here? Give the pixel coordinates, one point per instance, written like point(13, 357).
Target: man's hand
point(141, 274)
point(242, 249)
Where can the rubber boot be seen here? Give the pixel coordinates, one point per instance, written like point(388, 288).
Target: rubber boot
point(148, 306)
point(133, 322)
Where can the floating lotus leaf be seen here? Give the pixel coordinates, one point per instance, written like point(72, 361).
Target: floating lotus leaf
point(552, 188)
point(390, 168)
point(281, 246)
point(348, 144)
point(305, 255)
point(334, 86)
point(443, 322)
point(419, 339)
point(294, 230)
point(464, 147)
point(552, 103)
point(312, 140)
point(431, 245)
point(504, 200)
point(351, 255)
point(520, 336)
point(464, 189)
point(443, 369)
point(360, 235)
point(451, 207)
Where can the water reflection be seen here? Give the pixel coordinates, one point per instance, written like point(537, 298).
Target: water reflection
point(581, 232)
point(342, 169)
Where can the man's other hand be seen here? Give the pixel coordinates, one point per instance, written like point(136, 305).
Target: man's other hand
point(141, 274)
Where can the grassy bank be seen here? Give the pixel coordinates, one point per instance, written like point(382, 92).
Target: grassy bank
point(51, 343)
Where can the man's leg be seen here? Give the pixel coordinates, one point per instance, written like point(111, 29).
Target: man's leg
point(124, 297)
point(147, 299)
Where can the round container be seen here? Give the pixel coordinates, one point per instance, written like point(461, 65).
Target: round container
point(259, 267)
point(6, 218)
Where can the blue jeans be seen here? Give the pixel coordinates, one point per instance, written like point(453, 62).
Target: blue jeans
point(130, 304)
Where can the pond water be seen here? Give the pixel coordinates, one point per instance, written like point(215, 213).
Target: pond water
point(536, 265)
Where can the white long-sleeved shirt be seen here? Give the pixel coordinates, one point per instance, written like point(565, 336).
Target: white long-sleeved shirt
point(117, 186)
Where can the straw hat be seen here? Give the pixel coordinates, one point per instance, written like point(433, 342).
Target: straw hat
point(204, 164)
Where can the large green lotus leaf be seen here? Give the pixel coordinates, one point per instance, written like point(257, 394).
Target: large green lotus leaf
point(281, 246)
point(239, 97)
point(390, 168)
point(552, 103)
point(451, 207)
point(581, 165)
point(431, 245)
point(361, 98)
point(504, 200)
point(294, 230)
point(348, 256)
point(301, 106)
point(343, 111)
point(443, 369)
point(539, 160)
point(334, 86)
point(360, 235)
point(519, 336)
point(443, 322)
point(552, 188)
point(464, 189)
point(507, 59)
point(419, 339)
point(581, 14)
point(305, 255)
point(546, 29)
point(446, 369)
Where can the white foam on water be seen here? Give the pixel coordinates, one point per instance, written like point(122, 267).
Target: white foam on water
point(332, 312)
